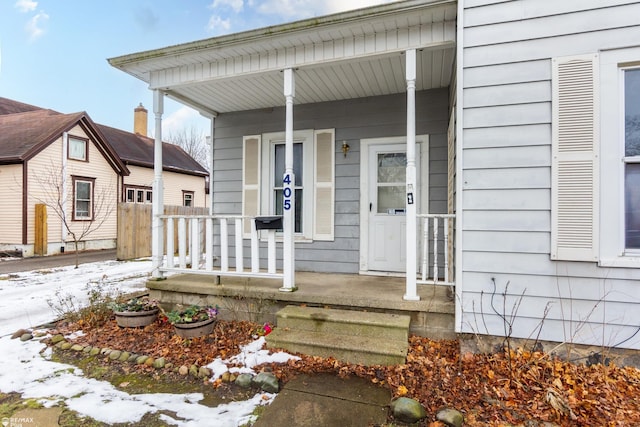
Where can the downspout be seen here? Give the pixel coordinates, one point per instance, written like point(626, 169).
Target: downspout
point(411, 293)
point(158, 189)
point(288, 190)
point(459, 154)
point(63, 190)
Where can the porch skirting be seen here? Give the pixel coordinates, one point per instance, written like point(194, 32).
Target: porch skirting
point(259, 299)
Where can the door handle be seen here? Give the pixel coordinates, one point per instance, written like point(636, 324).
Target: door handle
point(370, 206)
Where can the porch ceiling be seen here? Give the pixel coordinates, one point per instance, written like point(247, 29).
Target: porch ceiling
point(350, 55)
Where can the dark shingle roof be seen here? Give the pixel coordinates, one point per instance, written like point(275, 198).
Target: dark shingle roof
point(24, 134)
point(135, 149)
point(26, 128)
point(9, 106)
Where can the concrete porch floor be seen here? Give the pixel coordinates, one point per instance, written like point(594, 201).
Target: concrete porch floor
point(258, 299)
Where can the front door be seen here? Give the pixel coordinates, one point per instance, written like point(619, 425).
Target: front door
point(387, 220)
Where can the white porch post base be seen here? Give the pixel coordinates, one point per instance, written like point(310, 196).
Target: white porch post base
point(411, 293)
point(289, 200)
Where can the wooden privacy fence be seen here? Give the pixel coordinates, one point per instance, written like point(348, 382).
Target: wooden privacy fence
point(134, 227)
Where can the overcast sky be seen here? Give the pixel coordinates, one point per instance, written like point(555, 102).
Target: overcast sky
point(53, 53)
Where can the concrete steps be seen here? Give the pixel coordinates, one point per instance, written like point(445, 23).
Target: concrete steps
point(350, 336)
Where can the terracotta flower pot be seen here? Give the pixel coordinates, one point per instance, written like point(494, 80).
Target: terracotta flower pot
point(135, 319)
point(194, 330)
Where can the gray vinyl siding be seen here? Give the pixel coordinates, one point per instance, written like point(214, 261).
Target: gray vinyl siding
point(353, 120)
point(506, 175)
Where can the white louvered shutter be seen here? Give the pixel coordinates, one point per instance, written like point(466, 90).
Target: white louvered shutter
point(575, 163)
point(323, 184)
point(250, 179)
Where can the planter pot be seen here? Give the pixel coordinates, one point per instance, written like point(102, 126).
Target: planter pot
point(194, 330)
point(135, 319)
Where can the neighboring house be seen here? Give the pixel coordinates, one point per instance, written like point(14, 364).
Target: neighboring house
point(520, 118)
point(80, 170)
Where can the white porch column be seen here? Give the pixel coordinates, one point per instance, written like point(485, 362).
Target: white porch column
point(289, 194)
point(212, 131)
point(411, 289)
point(158, 189)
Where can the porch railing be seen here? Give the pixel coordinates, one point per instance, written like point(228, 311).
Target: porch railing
point(436, 251)
point(196, 249)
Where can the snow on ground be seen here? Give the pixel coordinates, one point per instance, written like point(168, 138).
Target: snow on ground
point(23, 304)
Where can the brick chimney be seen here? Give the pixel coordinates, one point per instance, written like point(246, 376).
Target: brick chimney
point(140, 120)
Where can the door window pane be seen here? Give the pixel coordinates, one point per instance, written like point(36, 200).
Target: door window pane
point(391, 181)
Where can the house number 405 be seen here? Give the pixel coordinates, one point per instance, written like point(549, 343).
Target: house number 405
point(286, 192)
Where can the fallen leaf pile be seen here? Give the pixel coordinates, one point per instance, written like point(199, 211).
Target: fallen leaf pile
point(503, 389)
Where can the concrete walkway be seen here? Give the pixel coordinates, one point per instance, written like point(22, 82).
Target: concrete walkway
point(328, 401)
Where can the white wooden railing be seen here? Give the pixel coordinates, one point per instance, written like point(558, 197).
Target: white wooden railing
point(432, 227)
point(195, 251)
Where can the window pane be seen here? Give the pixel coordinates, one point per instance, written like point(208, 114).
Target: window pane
point(632, 112)
point(82, 209)
point(280, 164)
point(83, 190)
point(140, 196)
point(298, 211)
point(77, 149)
point(632, 205)
point(392, 167)
point(130, 195)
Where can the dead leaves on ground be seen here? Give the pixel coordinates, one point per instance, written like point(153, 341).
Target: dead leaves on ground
point(520, 388)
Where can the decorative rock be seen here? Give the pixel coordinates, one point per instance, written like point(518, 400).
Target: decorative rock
point(450, 417)
point(183, 370)
point(159, 363)
point(94, 351)
point(204, 372)
point(105, 351)
point(407, 410)
point(193, 370)
point(60, 344)
point(124, 356)
point(19, 333)
point(77, 347)
point(26, 337)
point(150, 361)
point(65, 345)
point(244, 380)
point(114, 354)
point(141, 360)
point(226, 377)
point(57, 338)
point(87, 349)
point(132, 358)
point(268, 382)
point(168, 366)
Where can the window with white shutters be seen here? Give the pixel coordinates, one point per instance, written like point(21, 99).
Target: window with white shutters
point(314, 160)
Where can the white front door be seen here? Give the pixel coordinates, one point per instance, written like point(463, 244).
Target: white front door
point(387, 200)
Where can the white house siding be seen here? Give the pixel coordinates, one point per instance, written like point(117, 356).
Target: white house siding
point(48, 163)
point(174, 184)
point(375, 117)
point(11, 196)
point(506, 175)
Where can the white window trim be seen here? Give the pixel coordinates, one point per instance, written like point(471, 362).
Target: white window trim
point(267, 178)
point(91, 183)
point(612, 249)
point(85, 144)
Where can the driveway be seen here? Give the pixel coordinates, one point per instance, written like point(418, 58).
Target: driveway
point(62, 260)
